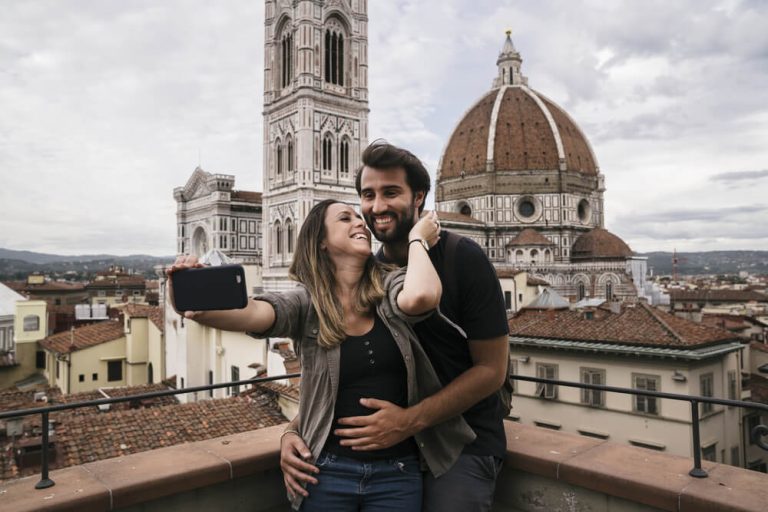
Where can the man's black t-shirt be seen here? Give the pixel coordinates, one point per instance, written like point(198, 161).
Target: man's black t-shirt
point(472, 299)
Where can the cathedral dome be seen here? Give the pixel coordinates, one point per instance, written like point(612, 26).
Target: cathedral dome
point(598, 244)
point(514, 128)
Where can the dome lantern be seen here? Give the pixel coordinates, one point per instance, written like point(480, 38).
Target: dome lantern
point(509, 63)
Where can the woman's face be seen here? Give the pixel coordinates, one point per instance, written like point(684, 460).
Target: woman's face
point(345, 233)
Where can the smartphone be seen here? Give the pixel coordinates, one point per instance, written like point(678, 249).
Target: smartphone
point(210, 288)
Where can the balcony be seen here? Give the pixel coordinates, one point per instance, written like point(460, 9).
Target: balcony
point(544, 471)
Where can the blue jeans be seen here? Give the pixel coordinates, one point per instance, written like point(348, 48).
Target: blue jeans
point(467, 487)
point(346, 484)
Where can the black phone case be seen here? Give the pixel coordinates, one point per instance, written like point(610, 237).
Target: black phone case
point(210, 288)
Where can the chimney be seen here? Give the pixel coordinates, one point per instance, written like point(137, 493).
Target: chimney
point(615, 307)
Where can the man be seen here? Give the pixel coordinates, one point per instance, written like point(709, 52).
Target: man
point(471, 360)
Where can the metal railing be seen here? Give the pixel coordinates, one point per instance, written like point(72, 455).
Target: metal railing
point(756, 434)
point(697, 471)
point(45, 481)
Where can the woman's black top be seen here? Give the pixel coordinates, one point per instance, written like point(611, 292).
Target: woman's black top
point(371, 367)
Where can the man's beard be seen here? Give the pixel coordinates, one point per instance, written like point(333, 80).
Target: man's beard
point(403, 225)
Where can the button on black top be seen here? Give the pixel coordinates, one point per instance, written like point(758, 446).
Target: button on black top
point(371, 367)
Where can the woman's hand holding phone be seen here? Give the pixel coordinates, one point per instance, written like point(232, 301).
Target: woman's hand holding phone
point(183, 262)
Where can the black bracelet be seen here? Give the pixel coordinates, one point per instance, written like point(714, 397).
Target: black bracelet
point(419, 240)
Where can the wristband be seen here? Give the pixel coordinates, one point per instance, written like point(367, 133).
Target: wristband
point(421, 242)
point(289, 431)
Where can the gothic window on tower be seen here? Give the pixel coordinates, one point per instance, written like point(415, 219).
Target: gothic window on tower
point(279, 160)
point(327, 152)
point(286, 59)
point(289, 154)
point(334, 55)
point(344, 156)
point(289, 235)
point(278, 238)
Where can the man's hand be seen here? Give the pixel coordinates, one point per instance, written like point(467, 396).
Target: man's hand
point(293, 454)
point(386, 427)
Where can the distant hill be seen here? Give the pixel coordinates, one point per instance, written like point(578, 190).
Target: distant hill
point(711, 262)
point(18, 264)
point(42, 258)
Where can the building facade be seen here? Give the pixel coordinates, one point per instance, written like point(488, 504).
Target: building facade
point(315, 116)
point(211, 214)
point(629, 346)
point(520, 177)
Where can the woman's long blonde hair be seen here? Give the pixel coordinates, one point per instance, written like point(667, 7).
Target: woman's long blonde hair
point(313, 268)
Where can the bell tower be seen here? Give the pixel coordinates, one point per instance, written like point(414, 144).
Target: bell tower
point(315, 116)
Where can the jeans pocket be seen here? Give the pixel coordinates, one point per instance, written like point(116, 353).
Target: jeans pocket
point(489, 466)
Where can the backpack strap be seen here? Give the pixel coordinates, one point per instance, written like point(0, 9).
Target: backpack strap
point(451, 242)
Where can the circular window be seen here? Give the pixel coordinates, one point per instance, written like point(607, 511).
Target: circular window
point(526, 208)
point(584, 210)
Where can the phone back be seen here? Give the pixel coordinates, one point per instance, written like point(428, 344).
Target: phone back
point(210, 288)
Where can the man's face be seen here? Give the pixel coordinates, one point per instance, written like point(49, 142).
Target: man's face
point(388, 203)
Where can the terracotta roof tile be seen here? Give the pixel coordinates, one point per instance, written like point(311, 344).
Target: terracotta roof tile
point(118, 282)
point(84, 337)
point(599, 243)
point(154, 313)
point(247, 196)
point(118, 392)
point(13, 399)
point(639, 324)
point(524, 138)
point(87, 438)
point(276, 388)
point(529, 236)
point(717, 296)
point(507, 273)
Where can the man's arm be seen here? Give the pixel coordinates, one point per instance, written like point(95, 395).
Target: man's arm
point(392, 424)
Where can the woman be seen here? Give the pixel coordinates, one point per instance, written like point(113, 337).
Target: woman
point(349, 324)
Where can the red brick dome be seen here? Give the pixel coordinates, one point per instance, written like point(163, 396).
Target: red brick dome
point(514, 128)
point(598, 244)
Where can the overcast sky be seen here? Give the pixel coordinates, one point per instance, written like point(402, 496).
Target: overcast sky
point(107, 105)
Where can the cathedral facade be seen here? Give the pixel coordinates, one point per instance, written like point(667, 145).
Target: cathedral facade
point(519, 177)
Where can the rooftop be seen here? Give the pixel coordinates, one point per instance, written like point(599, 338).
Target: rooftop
point(718, 295)
point(84, 337)
point(154, 313)
point(246, 196)
point(638, 324)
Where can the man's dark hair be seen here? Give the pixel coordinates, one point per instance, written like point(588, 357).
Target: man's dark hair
point(380, 154)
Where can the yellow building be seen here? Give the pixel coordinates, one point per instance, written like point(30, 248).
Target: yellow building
point(29, 325)
point(107, 354)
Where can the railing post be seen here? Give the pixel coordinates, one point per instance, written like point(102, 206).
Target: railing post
point(45, 482)
point(697, 470)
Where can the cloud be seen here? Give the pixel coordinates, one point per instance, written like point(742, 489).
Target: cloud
point(740, 176)
point(99, 124)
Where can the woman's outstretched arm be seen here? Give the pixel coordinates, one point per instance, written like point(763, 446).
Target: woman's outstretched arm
point(422, 289)
point(257, 316)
